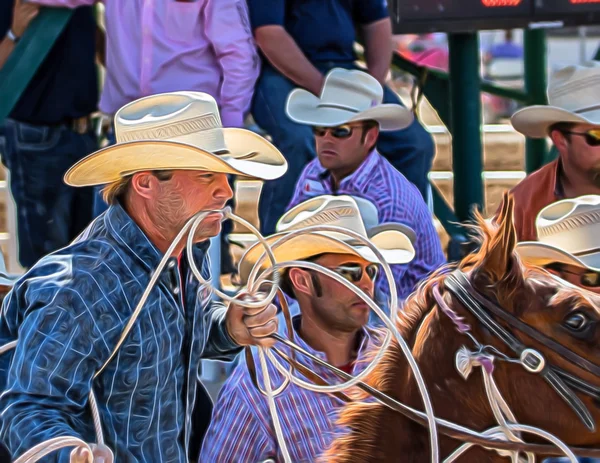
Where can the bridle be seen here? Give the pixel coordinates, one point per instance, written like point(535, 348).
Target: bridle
point(561, 381)
point(458, 284)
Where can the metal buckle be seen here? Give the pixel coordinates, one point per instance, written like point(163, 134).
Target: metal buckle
point(535, 364)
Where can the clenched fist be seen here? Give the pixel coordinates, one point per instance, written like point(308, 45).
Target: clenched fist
point(252, 327)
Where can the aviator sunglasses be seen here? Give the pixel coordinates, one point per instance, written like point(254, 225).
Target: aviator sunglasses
point(354, 272)
point(592, 136)
point(342, 131)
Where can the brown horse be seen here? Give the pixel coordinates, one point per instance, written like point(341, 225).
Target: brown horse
point(563, 313)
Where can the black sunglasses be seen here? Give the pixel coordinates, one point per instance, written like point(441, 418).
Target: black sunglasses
point(592, 136)
point(342, 131)
point(354, 272)
point(586, 278)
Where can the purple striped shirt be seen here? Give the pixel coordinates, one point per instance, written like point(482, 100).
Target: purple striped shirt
point(397, 200)
point(241, 429)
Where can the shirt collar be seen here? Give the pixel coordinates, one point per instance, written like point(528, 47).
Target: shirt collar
point(123, 229)
point(360, 178)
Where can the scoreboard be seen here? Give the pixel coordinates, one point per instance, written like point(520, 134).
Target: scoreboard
point(418, 16)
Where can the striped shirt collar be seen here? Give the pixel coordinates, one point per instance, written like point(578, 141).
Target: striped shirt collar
point(123, 229)
point(359, 179)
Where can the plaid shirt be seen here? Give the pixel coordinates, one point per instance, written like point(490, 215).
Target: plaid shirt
point(68, 312)
point(397, 200)
point(241, 430)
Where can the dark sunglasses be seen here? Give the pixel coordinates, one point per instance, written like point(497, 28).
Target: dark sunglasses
point(342, 131)
point(354, 272)
point(586, 278)
point(592, 136)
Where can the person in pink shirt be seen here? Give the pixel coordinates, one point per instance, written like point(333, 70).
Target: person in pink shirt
point(158, 46)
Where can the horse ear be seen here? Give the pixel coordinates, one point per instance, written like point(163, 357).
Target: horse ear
point(498, 260)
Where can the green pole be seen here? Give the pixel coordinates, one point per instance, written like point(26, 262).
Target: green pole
point(465, 113)
point(535, 87)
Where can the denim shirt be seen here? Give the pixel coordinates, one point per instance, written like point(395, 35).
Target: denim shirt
point(69, 311)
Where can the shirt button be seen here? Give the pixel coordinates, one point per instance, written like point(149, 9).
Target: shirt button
point(175, 291)
point(172, 264)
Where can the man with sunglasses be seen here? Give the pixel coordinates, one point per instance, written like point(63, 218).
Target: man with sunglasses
point(572, 121)
point(332, 325)
point(569, 247)
point(346, 120)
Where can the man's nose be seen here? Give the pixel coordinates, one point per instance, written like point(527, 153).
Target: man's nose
point(223, 190)
point(366, 284)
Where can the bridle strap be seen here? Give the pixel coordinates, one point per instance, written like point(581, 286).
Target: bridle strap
point(460, 280)
point(444, 428)
point(460, 286)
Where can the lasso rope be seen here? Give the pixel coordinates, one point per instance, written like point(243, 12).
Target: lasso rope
point(254, 282)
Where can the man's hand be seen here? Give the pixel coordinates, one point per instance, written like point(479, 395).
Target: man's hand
point(23, 14)
point(252, 326)
point(101, 455)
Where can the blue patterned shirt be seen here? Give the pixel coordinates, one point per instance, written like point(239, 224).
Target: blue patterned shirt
point(68, 312)
point(241, 429)
point(397, 200)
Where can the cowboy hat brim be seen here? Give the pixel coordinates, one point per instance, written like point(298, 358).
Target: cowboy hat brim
point(535, 121)
point(540, 254)
point(303, 107)
point(395, 247)
point(248, 155)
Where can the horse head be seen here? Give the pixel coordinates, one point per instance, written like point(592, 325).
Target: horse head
point(552, 331)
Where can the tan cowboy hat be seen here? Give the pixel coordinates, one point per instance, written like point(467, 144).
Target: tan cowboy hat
point(393, 240)
point(347, 96)
point(568, 233)
point(573, 96)
point(179, 130)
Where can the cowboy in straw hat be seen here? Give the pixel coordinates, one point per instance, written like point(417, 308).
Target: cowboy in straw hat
point(347, 97)
point(568, 243)
point(332, 323)
point(171, 161)
point(346, 120)
point(572, 121)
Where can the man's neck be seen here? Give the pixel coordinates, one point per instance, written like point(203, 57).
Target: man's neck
point(156, 235)
point(575, 183)
point(338, 347)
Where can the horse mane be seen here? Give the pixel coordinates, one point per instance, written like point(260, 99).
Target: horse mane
point(364, 418)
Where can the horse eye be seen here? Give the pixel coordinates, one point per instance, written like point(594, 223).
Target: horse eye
point(577, 321)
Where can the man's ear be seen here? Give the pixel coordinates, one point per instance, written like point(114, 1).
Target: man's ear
point(144, 184)
point(300, 280)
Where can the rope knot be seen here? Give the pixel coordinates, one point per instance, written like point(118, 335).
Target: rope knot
point(466, 360)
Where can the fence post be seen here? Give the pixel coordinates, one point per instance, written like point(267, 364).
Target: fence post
point(535, 87)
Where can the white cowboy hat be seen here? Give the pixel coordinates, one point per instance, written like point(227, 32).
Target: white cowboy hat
point(573, 96)
point(568, 233)
point(179, 130)
point(393, 240)
point(347, 96)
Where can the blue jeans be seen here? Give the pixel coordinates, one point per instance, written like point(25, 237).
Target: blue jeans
point(50, 214)
point(411, 150)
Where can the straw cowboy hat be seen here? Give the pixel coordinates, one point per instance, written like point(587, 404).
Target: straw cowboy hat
point(347, 96)
point(393, 240)
point(568, 233)
point(573, 96)
point(179, 130)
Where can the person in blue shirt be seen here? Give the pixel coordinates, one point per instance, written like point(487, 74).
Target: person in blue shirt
point(69, 311)
point(48, 130)
point(302, 40)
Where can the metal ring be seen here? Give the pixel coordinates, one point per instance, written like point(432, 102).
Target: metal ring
point(541, 361)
